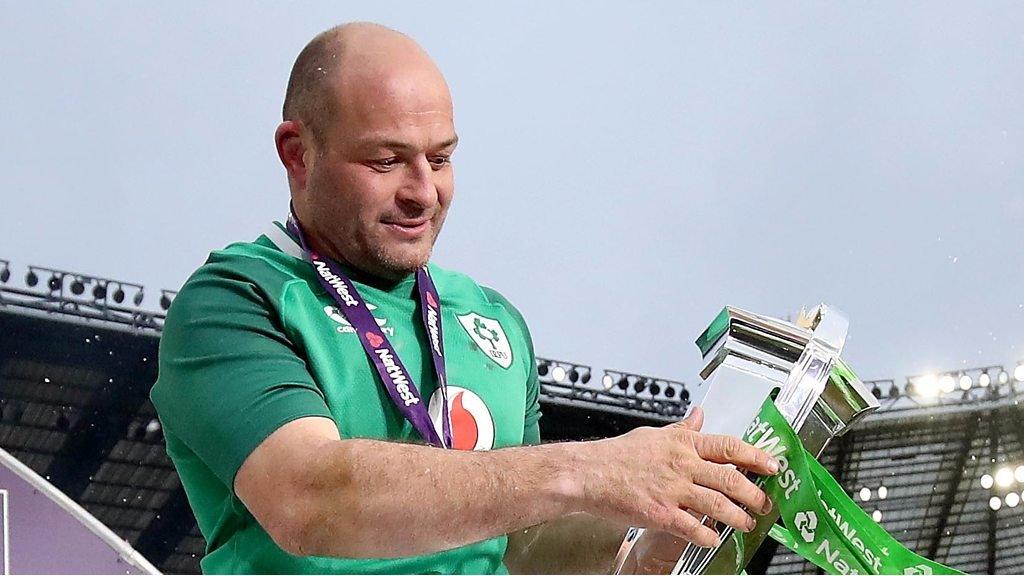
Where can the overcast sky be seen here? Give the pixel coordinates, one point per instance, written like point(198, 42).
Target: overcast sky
point(625, 169)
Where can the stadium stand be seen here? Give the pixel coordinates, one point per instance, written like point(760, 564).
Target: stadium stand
point(76, 369)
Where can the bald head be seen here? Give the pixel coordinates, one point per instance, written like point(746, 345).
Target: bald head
point(334, 59)
point(367, 140)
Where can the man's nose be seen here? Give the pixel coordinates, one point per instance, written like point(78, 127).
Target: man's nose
point(419, 187)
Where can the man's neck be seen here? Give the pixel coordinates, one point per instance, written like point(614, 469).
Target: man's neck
point(381, 279)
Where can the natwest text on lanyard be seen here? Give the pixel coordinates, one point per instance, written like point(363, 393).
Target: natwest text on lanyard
point(393, 374)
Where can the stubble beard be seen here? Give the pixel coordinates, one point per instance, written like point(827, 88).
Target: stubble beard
point(391, 263)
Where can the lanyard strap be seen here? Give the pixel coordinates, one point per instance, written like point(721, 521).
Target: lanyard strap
point(393, 374)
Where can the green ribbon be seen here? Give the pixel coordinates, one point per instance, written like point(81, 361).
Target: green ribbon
point(822, 523)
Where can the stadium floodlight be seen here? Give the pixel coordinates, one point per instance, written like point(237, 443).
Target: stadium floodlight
point(966, 382)
point(152, 430)
point(542, 368)
point(876, 515)
point(1018, 474)
point(138, 297)
point(572, 380)
point(883, 492)
point(5, 273)
point(986, 481)
point(927, 386)
point(119, 294)
point(865, 494)
point(911, 387)
point(636, 386)
point(99, 291)
point(548, 370)
point(31, 279)
point(56, 282)
point(984, 380)
point(947, 384)
point(876, 391)
point(77, 287)
point(995, 502)
point(1004, 376)
point(1018, 373)
point(1012, 499)
point(1004, 477)
point(558, 374)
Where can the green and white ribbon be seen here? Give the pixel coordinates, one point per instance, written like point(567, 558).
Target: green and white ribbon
point(822, 523)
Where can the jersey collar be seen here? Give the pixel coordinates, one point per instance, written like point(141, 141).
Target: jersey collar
point(280, 237)
point(285, 242)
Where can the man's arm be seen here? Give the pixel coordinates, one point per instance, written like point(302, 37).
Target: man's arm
point(316, 494)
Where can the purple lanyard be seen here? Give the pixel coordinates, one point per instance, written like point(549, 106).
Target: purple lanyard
point(396, 378)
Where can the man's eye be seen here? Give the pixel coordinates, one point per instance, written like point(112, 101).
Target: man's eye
point(439, 162)
point(385, 162)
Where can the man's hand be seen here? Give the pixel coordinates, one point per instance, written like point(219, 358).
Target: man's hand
point(651, 477)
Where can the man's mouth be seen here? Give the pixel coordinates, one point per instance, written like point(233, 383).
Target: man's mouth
point(409, 227)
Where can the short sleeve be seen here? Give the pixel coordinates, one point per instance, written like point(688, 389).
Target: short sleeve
point(531, 427)
point(532, 413)
point(228, 374)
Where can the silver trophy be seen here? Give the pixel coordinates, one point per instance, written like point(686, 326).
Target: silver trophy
point(746, 357)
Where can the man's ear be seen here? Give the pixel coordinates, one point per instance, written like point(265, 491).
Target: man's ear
point(291, 149)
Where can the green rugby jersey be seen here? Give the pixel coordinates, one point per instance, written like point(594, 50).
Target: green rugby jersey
point(253, 342)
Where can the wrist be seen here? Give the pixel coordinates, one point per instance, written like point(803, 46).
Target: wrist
point(567, 484)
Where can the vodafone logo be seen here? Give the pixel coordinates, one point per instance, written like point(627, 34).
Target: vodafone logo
point(472, 425)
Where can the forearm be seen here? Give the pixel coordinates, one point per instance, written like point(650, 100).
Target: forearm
point(380, 499)
point(318, 495)
point(573, 544)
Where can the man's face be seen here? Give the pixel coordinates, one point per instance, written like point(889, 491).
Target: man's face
point(381, 180)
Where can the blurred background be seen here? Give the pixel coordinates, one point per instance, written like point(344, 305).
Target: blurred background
point(624, 172)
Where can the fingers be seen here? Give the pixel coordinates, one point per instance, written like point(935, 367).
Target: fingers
point(718, 507)
point(732, 450)
point(694, 421)
point(681, 523)
point(733, 484)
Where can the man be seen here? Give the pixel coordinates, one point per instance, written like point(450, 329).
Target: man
point(297, 412)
